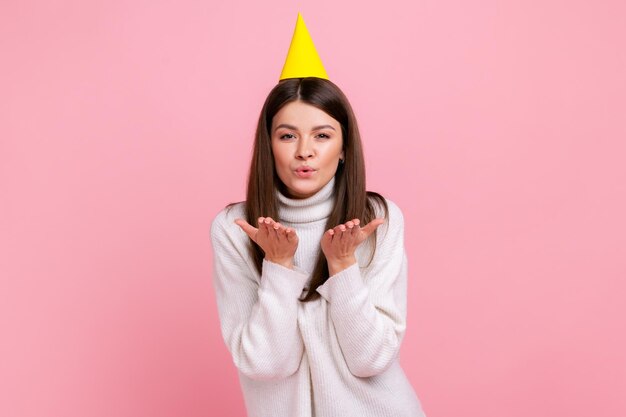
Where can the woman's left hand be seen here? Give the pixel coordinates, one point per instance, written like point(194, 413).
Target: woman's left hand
point(340, 242)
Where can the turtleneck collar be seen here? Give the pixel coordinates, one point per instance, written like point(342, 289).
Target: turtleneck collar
point(310, 209)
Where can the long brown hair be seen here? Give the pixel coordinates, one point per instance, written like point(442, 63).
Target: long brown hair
point(351, 198)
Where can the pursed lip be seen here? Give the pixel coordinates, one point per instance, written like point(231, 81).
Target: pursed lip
point(304, 169)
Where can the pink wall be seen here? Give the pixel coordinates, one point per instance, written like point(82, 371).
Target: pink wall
point(498, 127)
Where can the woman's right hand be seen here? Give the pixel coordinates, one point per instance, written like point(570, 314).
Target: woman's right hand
point(277, 241)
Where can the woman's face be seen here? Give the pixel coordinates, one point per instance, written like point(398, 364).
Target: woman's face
point(305, 136)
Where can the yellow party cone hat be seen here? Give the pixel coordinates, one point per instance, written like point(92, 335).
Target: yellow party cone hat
point(302, 58)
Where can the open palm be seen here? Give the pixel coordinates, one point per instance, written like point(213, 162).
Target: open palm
point(279, 243)
point(341, 241)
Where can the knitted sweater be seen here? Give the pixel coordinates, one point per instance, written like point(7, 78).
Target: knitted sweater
point(333, 357)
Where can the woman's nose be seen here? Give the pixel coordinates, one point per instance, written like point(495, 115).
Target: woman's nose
point(304, 149)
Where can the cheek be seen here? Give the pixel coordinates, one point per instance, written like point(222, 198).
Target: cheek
point(332, 153)
point(279, 159)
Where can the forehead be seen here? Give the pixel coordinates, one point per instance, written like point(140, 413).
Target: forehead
point(303, 116)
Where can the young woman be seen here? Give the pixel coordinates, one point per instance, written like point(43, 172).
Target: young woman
point(310, 272)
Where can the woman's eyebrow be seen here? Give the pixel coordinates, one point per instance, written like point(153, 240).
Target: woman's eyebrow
point(295, 128)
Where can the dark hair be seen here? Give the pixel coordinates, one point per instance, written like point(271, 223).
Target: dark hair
point(351, 198)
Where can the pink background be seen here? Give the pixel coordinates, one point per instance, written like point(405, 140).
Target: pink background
point(497, 127)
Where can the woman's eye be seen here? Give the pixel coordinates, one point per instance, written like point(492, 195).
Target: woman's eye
point(290, 136)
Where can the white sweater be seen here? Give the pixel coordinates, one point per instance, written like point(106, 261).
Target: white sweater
point(333, 357)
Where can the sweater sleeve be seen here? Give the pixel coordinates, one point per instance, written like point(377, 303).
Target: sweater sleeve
point(258, 320)
point(368, 309)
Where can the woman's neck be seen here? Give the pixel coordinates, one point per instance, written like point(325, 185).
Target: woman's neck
point(310, 209)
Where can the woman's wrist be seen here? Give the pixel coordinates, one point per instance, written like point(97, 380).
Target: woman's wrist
point(286, 262)
point(337, 265)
